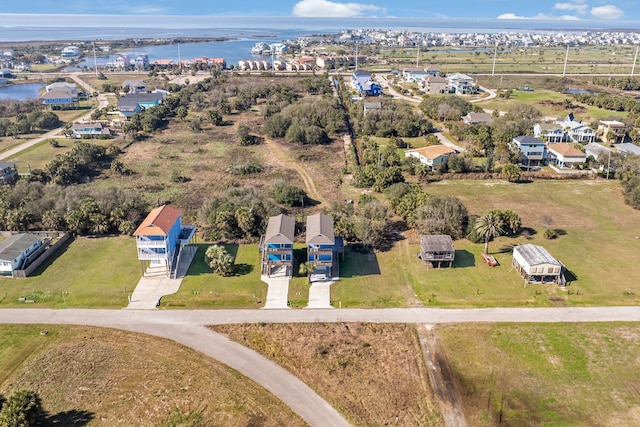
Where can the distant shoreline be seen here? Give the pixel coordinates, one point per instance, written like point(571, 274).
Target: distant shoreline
point(125, 42)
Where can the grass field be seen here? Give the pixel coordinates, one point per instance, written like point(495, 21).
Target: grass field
point(374, 374)
point(94, 376)
point(42, 153)
point(89, 273)
point(551, 375)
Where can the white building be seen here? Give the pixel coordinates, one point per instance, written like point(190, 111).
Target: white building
point(15, 250)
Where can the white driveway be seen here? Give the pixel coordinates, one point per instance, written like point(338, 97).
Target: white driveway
point(152, 287)
point(278, 292)
point(320, 293)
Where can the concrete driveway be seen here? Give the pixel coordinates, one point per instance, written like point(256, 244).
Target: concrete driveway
point(278, 292)
point(320, 293)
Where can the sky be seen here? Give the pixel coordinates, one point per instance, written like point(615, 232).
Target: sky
point(19, 12)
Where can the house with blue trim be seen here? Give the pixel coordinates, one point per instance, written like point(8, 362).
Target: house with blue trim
point(134, 103)
point(276, 246)
point(160, 240)
point(323, 246)
point(533, 150)
point(359, 77)
point(369, 88)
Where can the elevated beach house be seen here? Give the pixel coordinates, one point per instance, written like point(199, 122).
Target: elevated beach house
point(15, 251)
point(160, 239)
point(536, 265)
point(323, 246)
point(437, 249)
point(276, 246)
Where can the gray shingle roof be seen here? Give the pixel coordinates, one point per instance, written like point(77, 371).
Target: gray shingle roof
point(320, 230)
point(13, 246)
point(436, 243)
point(280, 230)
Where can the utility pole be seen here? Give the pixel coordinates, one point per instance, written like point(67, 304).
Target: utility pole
point(356, 56)
point(566, 58)
point(635, 58)
point(417, 55)
point(95, 61)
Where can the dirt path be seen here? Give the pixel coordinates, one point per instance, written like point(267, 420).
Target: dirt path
point(441, 379)
point(282, 157)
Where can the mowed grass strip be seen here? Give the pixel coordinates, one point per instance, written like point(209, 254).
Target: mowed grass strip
point(96, 376)
point(90, 273)
point(374, 374)
point(545, 374)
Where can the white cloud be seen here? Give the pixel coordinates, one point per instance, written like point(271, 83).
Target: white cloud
point(331, 9)
point(608, 11)
point(540, 17)
point(579, 6)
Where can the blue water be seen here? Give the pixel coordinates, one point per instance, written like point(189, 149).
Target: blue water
point(20, 92)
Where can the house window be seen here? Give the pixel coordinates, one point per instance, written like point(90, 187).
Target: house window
point(550, 270)
point(534, 270)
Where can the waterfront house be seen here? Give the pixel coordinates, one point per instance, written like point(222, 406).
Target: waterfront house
point(123, 61)
point(69, 88)
point(432, 155)
point(8, 173)
point(533, 150)
point(58, 99)
point(437, 249)
point(536, 265)
point(141, 61)
point(15, 251)
point(564, 155)
point(161, 238)
point(70, 52)
point(322, 245)
point(276, 246)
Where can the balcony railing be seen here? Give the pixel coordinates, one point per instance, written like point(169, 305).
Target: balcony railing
point(151, 243)
point(147, 255)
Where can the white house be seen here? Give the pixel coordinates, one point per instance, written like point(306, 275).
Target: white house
point(460, 84)
point(564, 155)
point(70, 52)
point(536, 265)
point(564, 130)
point(533, 150)
point(596, 150)
point(432, 155)
point(15, 250)
point(70, 88)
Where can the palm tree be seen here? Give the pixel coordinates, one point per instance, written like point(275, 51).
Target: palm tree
point(488, 226)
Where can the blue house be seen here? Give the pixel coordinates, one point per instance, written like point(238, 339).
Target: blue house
point(370, 88)
point(276, 246)
point(160, 239)
point(359, 77)
point(322, 245)
point(58, 98)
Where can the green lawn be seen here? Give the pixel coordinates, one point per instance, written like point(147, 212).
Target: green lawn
point(42, 153)
point(93, 273)
point(203, 289)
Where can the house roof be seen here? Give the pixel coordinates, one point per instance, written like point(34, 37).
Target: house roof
point(478, 118)
point(57, 95)
point(629, 148)
point(436, 79)
point(527, 139)
point(434, 151)
point(535, 255)
point(5, 165)
point(131, 100)
point(159, 221)
point(361, 73)
point(550, 126)
point(372, 105)
point(13, 246)
point(83, 126)
point(436, 243)
point(280, 229)
point(594, 147)
point(320, 229)
point(565, 150)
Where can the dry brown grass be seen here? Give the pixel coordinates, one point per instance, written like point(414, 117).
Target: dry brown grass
point(118, 378)
point(372, 373)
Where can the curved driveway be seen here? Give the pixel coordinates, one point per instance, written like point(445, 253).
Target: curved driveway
point(188, 327)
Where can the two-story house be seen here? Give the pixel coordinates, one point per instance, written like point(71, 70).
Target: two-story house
point(89, 130)
point(564, 155)
point(533, 150)
point(134, 103)
point(413, 75)
point(322, 246)
point(612, 131)
point(461, 84)
point(359, 77)
point(15, 251)
point(276, 246)
point(160, 239)
point(434, 85)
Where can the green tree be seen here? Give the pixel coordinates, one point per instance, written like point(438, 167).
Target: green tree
point(488, 226)
point(219, 260)
point(511, 172)
point(22, 409)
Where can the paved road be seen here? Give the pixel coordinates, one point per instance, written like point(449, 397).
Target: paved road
point(188, 327)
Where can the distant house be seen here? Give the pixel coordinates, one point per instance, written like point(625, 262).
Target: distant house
point(533, 150)
point(432, 155)
point(370, 88)
point(413, 75)
point(358, 77)
point(69, 52)
point(134, 103)
point(371, 105)
point(58, 99)
point(322, 246)
point(89, 130)
point(160, 239)
point(8, 173)
point(477, 118)
point(15, 251)
point(434, 85)
point(142, 62)
point(612, 131)
point(461, 84)
point(596, 150)
point(123, 61)
point(628, 148)
point(276, 246)
point(437, 249)
point(566, 129)
point(69, 88)
point(432, 70)
point(134, 86)
point(564, 155)
point(549, 132)
point(536, 265)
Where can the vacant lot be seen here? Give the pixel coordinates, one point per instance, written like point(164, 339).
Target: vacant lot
point(88, 273)
point(105, 377)
point(554, 375)
point(374, 374)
